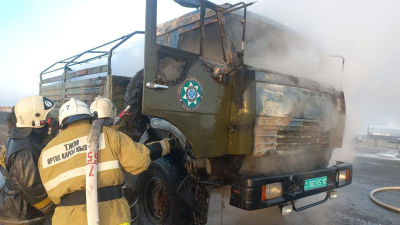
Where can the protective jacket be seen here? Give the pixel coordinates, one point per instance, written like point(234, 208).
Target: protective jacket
point(23, 199)
point(62, 169)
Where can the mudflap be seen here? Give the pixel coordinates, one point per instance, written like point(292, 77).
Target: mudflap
point(131, 196)
point(196, 196)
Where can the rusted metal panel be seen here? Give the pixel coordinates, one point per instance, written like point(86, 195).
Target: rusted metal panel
point(184, 20)
point(292, 102)
point(163, 39)
point(88, 71)
point(272, 77)
point(283, 136)
point(173, 39)
point(230, 55)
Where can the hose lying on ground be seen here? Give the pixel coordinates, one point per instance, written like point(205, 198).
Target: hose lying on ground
point(371, 195)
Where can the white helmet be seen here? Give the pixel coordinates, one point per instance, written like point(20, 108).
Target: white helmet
point(73, 110)
point(103, 108)
point(32, 111)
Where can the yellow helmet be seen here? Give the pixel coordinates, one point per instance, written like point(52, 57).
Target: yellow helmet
point(32, 111)
point(103, 108)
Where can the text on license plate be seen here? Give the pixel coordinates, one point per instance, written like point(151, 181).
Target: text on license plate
point(315, 183)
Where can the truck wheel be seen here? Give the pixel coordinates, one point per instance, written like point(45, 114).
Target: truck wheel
point(133, 97)
point(157, 201)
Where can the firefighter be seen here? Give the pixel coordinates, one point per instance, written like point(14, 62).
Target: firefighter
point(11, 120)
point(23, 199)
point(62, 167)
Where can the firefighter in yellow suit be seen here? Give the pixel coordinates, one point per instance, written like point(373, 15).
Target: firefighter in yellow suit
point(62, 166)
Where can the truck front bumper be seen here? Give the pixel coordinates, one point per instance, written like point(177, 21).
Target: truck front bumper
point(247, 191)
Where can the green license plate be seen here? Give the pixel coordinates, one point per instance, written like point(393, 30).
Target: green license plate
point(315, 183)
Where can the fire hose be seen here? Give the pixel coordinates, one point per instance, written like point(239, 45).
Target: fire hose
point(92, 206)
point(371, 195)
point(124, 112)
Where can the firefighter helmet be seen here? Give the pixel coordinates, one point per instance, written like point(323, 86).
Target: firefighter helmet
point(32, 111)
point(73, 110)
point(103, 108)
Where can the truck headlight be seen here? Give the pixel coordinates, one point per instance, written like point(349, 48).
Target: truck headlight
point(343, 176)
point(271, 191)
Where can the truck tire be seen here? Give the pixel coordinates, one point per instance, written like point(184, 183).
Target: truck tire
point(157, 201)
point(133, 97)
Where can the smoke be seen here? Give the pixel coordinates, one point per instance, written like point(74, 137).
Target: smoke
point(282, 50)
point(365, 32)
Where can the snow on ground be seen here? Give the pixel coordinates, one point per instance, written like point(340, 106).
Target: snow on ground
point(388, 155)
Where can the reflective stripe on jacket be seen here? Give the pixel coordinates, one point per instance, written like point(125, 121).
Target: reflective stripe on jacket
point(62, 169)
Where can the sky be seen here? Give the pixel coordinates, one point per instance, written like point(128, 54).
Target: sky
point(35, 34)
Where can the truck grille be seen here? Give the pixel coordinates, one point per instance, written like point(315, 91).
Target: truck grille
point(283, 136)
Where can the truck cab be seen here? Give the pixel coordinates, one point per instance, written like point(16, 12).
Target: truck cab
point(268, 135)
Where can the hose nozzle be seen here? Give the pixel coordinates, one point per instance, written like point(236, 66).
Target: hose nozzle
point(118, 119)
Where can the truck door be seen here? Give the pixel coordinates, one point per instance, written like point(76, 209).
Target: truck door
point(180, 88)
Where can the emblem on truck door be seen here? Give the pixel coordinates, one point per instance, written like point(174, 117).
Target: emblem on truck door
point(190, 94)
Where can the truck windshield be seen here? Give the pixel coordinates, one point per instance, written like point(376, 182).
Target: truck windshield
point(190, 41)
point(271, 47)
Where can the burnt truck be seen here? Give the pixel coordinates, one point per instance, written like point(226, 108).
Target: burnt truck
point(266, 134)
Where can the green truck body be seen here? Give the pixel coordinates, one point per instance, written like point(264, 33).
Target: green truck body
point(237, 125)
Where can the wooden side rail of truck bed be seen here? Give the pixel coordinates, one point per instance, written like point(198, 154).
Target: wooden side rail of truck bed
point(79, 85)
